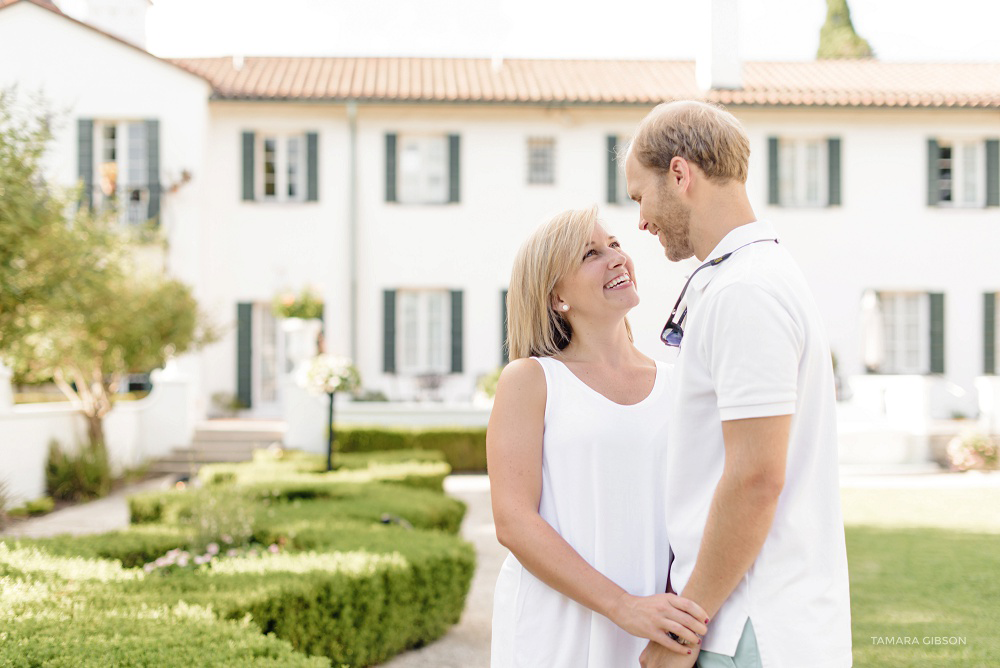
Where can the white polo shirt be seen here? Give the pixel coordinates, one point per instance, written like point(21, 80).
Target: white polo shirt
point(754, 346)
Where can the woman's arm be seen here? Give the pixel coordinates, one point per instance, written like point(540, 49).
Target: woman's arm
point(514, 453)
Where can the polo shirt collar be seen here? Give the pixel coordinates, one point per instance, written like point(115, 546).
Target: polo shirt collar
point(737, 237)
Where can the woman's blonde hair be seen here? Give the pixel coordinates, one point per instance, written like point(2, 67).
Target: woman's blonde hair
point(553, 251)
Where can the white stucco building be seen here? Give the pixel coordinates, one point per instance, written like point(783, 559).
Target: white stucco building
point(400, 190)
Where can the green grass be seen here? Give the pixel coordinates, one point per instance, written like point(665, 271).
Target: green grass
point(924, 564)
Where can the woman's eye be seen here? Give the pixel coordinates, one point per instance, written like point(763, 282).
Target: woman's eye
point(589, 253)
point(615, 244)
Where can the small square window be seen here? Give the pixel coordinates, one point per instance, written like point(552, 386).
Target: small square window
point(541, 160)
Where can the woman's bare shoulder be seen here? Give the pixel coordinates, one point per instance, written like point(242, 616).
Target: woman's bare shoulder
point(521, 375)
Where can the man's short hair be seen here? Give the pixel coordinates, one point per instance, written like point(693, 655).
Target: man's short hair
point(704, 134)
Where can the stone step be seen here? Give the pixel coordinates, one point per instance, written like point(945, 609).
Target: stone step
point(269, 436)
point(227, 446)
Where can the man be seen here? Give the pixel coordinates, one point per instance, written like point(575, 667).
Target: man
point(753, 497)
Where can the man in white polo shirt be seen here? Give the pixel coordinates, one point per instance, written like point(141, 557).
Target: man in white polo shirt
point(754, 515)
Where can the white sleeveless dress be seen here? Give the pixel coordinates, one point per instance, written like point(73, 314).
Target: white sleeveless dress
point(602, 490)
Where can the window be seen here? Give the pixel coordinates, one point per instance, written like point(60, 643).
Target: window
point(423, 331)
point(541, 160)
point(281, 168)
point(122, 169)
point(423, 169)
point(906, 322)
point(802, 169)
point(958, 173)
point(617, 187)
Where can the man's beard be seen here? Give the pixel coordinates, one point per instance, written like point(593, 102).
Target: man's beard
point(675, 232)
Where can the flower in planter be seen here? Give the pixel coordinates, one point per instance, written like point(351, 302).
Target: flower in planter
point(973, 451)
point(327, 374)
point(306, 305)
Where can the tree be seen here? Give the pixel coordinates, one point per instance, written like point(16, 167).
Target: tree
point(837, 38)
point(74, 306)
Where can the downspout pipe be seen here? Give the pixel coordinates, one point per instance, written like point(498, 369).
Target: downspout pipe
point(352, 224)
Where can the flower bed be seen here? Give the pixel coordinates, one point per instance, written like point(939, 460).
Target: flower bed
point(353, 570)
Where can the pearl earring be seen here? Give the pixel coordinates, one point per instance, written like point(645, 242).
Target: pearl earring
point(565, 307)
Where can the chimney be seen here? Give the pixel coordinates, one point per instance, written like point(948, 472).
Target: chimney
point(718, 63)
point(125, 19)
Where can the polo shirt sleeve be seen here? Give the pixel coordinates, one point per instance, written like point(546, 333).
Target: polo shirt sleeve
point(753, 350)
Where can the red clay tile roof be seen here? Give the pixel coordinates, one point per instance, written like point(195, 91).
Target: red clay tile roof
point(838, 83)
point(48, 4)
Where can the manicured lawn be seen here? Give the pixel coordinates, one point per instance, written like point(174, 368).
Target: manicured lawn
point(925, 569)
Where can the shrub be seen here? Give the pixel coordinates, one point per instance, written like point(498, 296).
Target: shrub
point(77, 477)
point(973, 451)
point(132, 547)
point(464, 448)
point(350, 582)
point(38, 506)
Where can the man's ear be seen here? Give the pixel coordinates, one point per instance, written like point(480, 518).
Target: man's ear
point(679, 171)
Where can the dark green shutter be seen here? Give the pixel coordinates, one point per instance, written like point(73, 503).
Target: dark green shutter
point(773, 184)
point(153, 168)
point(933, 185)
point(504, 330)
point(312, 167)
point(454, 169)
point(456, 331)
point(244, 354)
point(989, 333)
point(390, 167)
point(612, 170)
point(85, 160)
point(937, 332)
point(389, 331)
point(993, 172)
point(833, 157)
point(248, 166)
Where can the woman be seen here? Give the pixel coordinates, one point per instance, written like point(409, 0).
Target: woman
point(574, 445)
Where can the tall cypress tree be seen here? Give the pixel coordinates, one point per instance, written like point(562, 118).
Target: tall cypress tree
point(837, 38)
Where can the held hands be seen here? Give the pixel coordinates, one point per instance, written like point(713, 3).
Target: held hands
point(656, 617)
point(655, 656)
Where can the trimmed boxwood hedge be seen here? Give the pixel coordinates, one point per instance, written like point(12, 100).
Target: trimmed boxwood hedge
point(464, 448)
point(346, 586)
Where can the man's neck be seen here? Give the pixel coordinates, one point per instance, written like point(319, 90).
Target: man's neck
point(724, 211)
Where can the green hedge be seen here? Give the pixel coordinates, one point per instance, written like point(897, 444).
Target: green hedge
point(464, 448)
point(346, 585)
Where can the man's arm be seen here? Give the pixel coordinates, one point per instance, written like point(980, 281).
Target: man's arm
point(739, 519)
point(742, 508)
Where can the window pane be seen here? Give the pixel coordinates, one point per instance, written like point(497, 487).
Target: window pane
point(812, 173)
point(270, 167)
point(109, 150)
point(423, 169)
point(787, 168)
point(436, 332)
point(944, 173)
point(970, 174)
point(294, 156)
point(541, 160)
point(409, 329)
point(138, 162)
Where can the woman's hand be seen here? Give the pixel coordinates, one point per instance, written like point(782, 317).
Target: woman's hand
point(655, 617)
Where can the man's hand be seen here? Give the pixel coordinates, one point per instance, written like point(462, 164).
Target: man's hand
point(657, 656)
point(656, 617)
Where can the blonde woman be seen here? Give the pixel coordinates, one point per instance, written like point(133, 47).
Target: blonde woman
point(575, 448)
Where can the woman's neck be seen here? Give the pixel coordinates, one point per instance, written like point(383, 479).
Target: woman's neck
point(605, 345)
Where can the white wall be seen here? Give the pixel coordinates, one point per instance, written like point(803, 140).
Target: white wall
point(92, 76)
point(883, 236)
point(135, 431)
